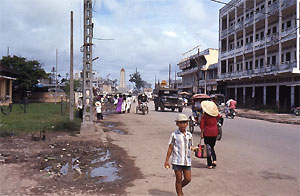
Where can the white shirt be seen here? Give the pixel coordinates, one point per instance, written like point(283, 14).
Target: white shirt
point(98, 107)
point(181, 153)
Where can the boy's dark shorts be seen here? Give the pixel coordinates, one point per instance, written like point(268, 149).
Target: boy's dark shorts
point(181, 167)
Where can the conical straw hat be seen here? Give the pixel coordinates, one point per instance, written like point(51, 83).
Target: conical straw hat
point(210, 108)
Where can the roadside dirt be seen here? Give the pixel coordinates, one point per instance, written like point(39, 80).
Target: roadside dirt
point(64, 165)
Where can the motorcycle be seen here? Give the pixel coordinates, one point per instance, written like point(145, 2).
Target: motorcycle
point(143, 107)
point(194, 120)
point(230, 112)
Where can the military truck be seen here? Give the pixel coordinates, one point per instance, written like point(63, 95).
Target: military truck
point(167, 98)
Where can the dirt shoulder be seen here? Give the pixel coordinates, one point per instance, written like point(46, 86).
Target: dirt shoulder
point(64, 164)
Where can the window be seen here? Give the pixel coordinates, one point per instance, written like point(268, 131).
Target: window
point(246, 65)
point(262, 7)
point(239, 20)
point(246, 40)
point(268, 60)
point(282, 26)
point(242, 42)
point(274, 29)
point(261, 62)
point(250, 64)
point(288, 56)
point(282, 58)
point(262, 35)
point(257, 36)
point(247, 15)
point(288, 24)
point(237, 67)
point(251, 39)
point(269, 2)
point(256, 63)
point(273, 60)
point(269, 32)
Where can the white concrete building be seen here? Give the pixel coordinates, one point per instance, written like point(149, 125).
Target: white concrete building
point(259, 52)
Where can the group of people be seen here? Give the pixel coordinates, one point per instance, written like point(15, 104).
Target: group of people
point(181, 141)
point(123, 103)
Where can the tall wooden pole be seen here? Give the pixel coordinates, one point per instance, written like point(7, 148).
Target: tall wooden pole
point(71, 117)
point(56, 75)
point(169, 75)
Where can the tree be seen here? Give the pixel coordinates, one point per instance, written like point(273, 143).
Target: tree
point(136, 78)
point(28, 73)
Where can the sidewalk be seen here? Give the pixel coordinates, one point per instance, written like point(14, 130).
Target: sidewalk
point(272, 117)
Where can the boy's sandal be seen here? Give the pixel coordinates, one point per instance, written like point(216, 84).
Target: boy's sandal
point(210, 167)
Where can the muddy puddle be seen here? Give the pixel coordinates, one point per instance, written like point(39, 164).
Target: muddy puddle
point(112, 127)
point(98, 168)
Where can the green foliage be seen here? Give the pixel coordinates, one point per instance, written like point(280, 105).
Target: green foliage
point(39, 116)
point(136, 78)
point(28, 72)
point(77, 84)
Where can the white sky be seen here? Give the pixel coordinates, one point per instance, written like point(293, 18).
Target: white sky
point(148, 34)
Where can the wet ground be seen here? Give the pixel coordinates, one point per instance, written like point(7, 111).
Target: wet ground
point(64, 162)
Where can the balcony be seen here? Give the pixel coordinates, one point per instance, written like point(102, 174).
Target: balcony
point(223, 33)
point(287, 3)
point(259, 44)
point(239, 26)
point(182, 73)
point(272, 39)
point(248, 47)
point(231, 29)
point(274, 8)
point(248, 21)
point(259, 16)
point(288, 34)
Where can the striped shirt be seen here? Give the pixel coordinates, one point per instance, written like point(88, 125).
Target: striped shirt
point(181, 153)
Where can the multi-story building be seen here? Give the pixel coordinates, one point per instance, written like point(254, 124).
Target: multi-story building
point(259, 52)
point(199, 72)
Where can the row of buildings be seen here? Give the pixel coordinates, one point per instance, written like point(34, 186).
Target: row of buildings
point(257, 62)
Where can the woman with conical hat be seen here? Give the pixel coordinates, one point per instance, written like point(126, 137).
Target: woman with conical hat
point(209, 130)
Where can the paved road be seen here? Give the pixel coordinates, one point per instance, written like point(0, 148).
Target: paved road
point(254, 157)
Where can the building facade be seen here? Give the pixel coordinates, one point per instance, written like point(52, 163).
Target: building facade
point(6, 78)
point(199, 72)
point(259, 52)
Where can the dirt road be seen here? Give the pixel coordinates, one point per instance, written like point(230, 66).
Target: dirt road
point(124, 155)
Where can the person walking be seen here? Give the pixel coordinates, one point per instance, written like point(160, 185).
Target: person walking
point(180, 146)
point(209, 130)
point(123, 107)
point(119, 104)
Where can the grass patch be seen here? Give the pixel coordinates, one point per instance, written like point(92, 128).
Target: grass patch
point(38, 117)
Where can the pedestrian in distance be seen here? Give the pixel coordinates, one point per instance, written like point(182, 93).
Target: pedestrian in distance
point(119, 104)
point(209, 130)
point(180, 141)
point(98, 110)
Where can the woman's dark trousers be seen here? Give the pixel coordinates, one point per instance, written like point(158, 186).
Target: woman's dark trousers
point(210, 144)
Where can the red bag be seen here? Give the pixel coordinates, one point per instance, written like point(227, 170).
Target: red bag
point(202, 151)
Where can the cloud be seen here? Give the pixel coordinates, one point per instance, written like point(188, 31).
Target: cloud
point(148, 34)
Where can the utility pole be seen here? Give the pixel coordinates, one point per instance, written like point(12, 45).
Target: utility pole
point(175, 81)
point(169, 75)
point(7, 50)
point(56, 75)
point(71, 116)
point(87, 62)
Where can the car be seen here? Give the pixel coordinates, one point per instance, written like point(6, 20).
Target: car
point(167, 98)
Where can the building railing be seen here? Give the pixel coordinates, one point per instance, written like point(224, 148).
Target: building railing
point(182, 73)
point(270, 69)
point(259, 16)
point(287, 3)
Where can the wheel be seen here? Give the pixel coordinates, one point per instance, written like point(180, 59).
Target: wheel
point(173, 109)
point(232, 116)
point(220, 133)
point(136, 110)
point(6, 110)
point(162, 108)
point(147, 110)
point(191, 126)
point(179, 109)
point(143, 111)
point(156, 108)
